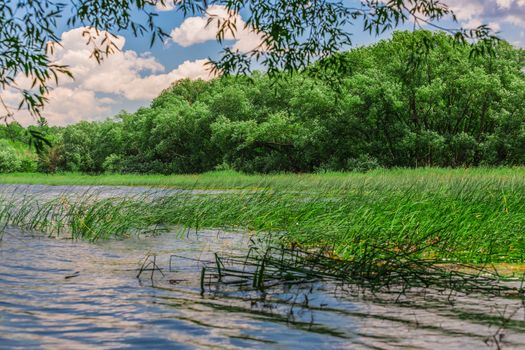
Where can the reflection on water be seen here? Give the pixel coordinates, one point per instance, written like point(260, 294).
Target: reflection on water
point(59, 294)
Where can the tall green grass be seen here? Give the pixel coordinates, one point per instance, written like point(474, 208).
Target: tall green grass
point(476, 216)
point(235, 180)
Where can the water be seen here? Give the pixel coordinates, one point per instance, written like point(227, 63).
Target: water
point(63, 294)
point(46, 192)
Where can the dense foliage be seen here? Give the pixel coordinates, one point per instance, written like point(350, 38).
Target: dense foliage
point(389, 108)
point(292, 33)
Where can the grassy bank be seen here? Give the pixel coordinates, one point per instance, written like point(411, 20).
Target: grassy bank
point(235, 180)
point(473, 215)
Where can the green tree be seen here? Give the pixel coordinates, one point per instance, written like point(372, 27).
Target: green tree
point(447, 109)
point(294, 33)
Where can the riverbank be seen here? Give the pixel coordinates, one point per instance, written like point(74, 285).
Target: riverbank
point(236, 180)
point(467, 215)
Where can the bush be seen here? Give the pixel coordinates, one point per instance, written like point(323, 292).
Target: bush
point(362, 164)
point(28, 164)
point(52, 160)
point(9, 160)
point(463, 148)
point(112, 164)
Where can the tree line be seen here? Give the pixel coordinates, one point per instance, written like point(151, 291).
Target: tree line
point(391, 104)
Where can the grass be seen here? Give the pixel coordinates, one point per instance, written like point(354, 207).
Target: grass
point(266, 265)
point(235, 180)
point(467, 215)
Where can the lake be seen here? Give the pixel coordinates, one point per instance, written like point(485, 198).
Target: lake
point(64, 294)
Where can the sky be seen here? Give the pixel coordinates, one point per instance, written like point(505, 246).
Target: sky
point(137, 73)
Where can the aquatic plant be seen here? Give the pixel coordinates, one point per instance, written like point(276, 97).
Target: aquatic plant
point(293, 285)
point(267, 264)
point(86, 217)
point(433, 214)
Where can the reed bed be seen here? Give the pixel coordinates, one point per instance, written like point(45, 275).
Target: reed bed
point(437, 215)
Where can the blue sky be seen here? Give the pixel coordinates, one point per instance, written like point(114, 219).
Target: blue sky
point(134, 76)
point(173, 54)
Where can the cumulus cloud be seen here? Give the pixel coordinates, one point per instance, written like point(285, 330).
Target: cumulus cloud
point(72, 104)
point(495, 12)
point(168, 5)
point(150, 86)
point(196, 30)
point(98, 90)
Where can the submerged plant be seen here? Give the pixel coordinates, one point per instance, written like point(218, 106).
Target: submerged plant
point(267, 265)
point(302, 287)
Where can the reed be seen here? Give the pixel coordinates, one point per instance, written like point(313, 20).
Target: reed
point(267, 265)
point(438, 214)
point(235, 180)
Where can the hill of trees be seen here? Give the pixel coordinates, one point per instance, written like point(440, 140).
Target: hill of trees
point(392, 104)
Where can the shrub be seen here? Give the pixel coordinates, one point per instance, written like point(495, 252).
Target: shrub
point(112, 163)
point(362, 164)
point(9, 160)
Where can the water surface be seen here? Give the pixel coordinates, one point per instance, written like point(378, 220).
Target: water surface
point(63, 294)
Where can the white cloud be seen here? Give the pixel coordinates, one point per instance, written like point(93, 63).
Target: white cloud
point(495, 26)
point(99, 90)
point(504, 4)
point(168, 5)
point(65, 105)
point(196, 30)
point(149, 87)
point(496, 12)
point(71, 105)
